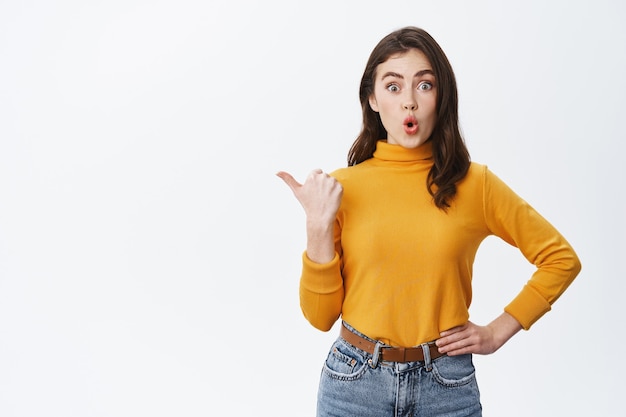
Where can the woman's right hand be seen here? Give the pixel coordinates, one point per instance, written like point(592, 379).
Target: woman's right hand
point(320, 196)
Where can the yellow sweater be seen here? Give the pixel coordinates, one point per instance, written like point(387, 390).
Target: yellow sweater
point(403, 268)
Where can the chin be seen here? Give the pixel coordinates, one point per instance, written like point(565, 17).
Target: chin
point(412, 143)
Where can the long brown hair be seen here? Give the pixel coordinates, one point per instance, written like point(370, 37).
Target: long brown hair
point(451, 158)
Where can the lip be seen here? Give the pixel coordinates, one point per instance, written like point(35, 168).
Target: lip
point(410, 125)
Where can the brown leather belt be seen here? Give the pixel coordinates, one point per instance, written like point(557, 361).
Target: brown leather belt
point(391, 354)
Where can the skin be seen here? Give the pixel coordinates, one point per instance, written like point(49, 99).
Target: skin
point(320, 196)
point(404, 87)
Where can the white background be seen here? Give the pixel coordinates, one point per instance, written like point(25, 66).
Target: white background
point(149, 258)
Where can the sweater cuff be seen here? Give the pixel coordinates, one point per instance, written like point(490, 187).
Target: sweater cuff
point(321, 278)
point(528, 307)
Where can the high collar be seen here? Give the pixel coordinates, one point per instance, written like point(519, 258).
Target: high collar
point(388, 152)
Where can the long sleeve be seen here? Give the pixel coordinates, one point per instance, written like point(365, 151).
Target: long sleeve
point(321, 289)
point(515, 221)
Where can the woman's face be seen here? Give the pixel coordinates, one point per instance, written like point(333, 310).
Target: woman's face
point(405, 97)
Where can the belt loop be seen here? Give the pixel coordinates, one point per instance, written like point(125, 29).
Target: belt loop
point(376, 355)
point(427, 362)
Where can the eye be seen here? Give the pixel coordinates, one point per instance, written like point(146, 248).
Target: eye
point(425, 86)
point(393, 88)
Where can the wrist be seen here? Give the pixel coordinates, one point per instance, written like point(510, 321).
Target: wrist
point(320, 241)
point(503, 328)
point(319, 225)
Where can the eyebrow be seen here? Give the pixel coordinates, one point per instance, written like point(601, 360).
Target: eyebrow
point(417, 74)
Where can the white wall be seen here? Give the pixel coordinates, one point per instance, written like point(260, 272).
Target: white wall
point(149, 258)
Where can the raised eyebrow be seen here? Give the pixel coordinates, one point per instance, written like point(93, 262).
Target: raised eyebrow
point(391, 74)
point(423, 72)
point(417, 74)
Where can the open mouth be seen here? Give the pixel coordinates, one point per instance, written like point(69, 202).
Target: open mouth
point(410, 125)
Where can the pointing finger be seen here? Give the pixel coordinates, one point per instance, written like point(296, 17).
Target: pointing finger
point(289, 180)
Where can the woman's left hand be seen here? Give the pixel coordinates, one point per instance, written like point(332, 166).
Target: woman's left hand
point(482, 340)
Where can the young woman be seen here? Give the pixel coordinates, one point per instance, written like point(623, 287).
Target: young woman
point(391, 240)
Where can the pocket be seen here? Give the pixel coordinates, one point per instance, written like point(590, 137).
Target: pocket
point(454, 371)
point(344, 362)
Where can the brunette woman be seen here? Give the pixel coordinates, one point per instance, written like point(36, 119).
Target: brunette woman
point(391, 240)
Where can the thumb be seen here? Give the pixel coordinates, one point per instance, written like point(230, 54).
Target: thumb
point(289, 180)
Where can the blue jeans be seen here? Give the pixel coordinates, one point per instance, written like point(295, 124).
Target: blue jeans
point(353, 383)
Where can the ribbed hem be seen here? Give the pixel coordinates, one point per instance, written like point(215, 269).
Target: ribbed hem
point(528, 307)
point(321, 278)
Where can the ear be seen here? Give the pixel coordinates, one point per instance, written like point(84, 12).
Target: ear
point(373, 103)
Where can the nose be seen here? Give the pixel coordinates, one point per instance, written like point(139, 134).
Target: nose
point(410, 103)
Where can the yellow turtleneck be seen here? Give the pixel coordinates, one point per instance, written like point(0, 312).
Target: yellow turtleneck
point(403, 268)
